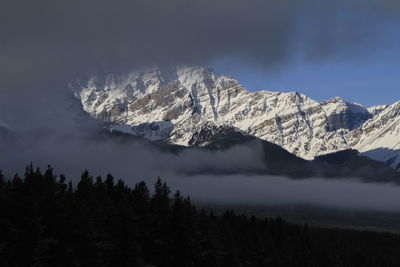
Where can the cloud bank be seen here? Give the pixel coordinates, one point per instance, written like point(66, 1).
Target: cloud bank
point(349, 194)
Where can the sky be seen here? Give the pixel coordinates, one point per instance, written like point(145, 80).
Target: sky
point(371, 79)
point(374, 83)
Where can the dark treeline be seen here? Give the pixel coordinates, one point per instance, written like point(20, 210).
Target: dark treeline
point(45, 221)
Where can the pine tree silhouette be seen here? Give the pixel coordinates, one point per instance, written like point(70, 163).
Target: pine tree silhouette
point(46, 221)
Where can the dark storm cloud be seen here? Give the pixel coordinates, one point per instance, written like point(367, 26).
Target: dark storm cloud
point(51, 38)
point(67, 35)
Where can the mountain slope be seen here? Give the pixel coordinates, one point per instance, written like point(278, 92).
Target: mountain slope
point(379, 137)
point(175, 104)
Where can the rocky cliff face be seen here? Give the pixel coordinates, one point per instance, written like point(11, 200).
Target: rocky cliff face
point(179, 105)
point(344, 115)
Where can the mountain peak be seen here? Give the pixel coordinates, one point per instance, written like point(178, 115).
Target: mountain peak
point(335, 99)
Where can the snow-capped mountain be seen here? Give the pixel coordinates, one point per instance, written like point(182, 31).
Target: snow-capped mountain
point(379, 137)
point(175, 104)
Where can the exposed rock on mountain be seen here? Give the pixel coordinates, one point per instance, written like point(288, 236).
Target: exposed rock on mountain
point(189, 105)
point(344, 115)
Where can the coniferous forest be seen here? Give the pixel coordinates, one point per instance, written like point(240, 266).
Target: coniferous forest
point(47, 221)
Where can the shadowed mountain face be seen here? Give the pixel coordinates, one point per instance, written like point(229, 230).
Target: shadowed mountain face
point(347, 162)
point(339, 165)
point(345, 115)
point(276, 160)
point(379, 137)
point(391, 157)
point(342, 164)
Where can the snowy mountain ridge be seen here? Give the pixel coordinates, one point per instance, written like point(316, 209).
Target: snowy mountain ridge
point(174, 104)
point(379, 137)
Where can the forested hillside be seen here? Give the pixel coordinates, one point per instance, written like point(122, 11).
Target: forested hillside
point(47, 221)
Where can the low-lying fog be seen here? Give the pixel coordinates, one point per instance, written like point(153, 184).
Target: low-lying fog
point(71, 150)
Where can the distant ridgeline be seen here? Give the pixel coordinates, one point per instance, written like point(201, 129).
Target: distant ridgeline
point(46, 221)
